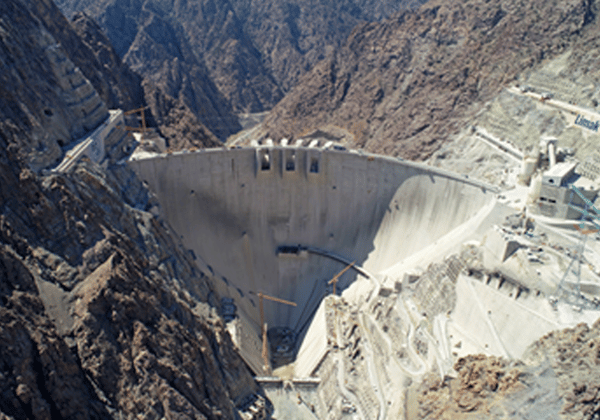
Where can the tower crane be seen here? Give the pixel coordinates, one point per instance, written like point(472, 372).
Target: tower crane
point(335, 278)
point(142, 112)
point(265, 348)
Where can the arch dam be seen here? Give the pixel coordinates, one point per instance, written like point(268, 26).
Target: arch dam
point(283, 220)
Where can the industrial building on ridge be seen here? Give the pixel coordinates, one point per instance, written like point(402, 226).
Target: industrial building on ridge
point(565, 189)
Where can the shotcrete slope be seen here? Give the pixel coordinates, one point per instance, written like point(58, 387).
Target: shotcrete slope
point(235, 210)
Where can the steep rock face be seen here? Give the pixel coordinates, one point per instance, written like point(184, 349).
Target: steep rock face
point(151, 40)
point(254, 50)
point(178, 124)
point(293, 36)
point(118, 86)
point(233, 62)
point(115, 83)
point(44, 93)
point(40, 377)
point(110, 317)
point(168, 63)
point(103, 314)
point(402, 86)
point(127, 90)
point(559, 379)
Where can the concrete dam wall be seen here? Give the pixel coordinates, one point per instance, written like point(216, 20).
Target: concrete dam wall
point(255, 216)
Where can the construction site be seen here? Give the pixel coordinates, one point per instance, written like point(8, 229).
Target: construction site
point(345, 277)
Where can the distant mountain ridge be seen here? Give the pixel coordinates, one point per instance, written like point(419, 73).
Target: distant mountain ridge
point(405, 85)
point(217, 58)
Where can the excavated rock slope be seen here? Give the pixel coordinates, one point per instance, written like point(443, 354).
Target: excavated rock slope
point(176, 123)
point(118, 86)
point(91, 52)
point(43, 93)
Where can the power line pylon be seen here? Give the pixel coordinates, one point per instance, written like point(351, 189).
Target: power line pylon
point(575, 297)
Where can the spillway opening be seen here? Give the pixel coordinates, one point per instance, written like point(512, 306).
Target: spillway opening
point(290, 160)
point(283, 221)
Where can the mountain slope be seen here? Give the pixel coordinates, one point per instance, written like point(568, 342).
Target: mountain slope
point(293, 36)
point(160, 41)
point(43, 93)
point(401, 87)
point(103, 314)
point(253, 50)
point(116, 84)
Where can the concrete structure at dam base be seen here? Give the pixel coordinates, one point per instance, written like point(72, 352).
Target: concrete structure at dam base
point(443, 266)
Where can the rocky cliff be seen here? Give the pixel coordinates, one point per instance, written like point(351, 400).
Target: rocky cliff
point(253, 51)
point(153, 39)
point(91, 52)
point(293, 36)
point(120, 87)
point(558, 379)
point(403, 86)
point(103, 314)
point(43, 93)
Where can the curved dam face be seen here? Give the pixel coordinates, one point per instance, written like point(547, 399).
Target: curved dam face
point(284, 220)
